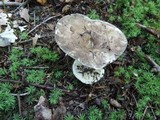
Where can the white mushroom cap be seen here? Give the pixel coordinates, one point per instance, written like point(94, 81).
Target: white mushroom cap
point(94, 43)
point(85, 74)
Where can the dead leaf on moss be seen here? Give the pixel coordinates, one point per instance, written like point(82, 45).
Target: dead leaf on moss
point(7, 36)
point(41, 110)
point(115, 103)
point(35, 38)
point(3, 19)
point(4, 42)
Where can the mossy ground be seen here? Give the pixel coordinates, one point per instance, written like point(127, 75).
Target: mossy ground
point(44, 70)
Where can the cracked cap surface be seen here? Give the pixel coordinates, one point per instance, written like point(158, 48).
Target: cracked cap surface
point(94, 43)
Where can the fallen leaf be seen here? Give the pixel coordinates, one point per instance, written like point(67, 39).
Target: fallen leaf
point(41, 111)
point(3, 19)
point(42, 2)
point(22, 28)
point(115, 103)
point(35, 38)
point(24, 14)
point(8, 34)
point(4, 42)
point(58, 114)
point(66, 8)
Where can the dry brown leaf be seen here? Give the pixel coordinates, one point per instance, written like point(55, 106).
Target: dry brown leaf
point(58, 114)
point(24, 14)
point(35, 38)
point(115, 103)
point(42, 2)
point(42, 112)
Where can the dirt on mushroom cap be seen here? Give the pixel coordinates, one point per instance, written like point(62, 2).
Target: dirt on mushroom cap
point(94, 43)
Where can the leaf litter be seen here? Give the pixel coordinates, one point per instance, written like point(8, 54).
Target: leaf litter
point(78, 100)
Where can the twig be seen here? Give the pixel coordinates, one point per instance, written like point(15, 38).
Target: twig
point(144, 113)
point(22, 94)
point(32, 84)
point(19, 105)
point(134, 98)
point(19, 101)
point(155, 118)
point(42, 23)
point(22, 4)
point(10, 3)
point(38, 67)
point(24, 42)
point(150, 30)
point(42, 86)
point(12, 81)
point(156, 67)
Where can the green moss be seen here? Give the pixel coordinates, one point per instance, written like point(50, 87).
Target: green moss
point(35, 76)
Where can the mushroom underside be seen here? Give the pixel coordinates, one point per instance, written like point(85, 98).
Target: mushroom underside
point(85, 74)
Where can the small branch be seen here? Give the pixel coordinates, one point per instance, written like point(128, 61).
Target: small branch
point(38, 67)
point(156, 67)
point(155, 118)
point(42, 23)
point(19, 100)
point(22, 94)
point(10, 3)
point(22, 5)
point(42, 86)
point(144, 113)
point(19, 105)
point(32, 84)
point(24, 42)
point(150, 30)
point(12, 81)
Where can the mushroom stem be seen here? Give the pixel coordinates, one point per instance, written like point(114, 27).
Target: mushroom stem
point(86, 74)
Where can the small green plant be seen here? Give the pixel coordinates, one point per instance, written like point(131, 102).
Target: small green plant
point(93, 14)
point(15, 54)
point(70, 87)
point(27, 62)
point(14, 57)
point(69, 117)
point(34, 94)
point(54, 96)
point(94, 113)
point(125, 73)
point(7, 101)
point(117, 115)
point(3, 71)
point(81, 116)
point(132, 12)
point(58, 74)
point(35, 76)
point(105, 104)
point(45, 54)
point(30, 89)
point(23, 36)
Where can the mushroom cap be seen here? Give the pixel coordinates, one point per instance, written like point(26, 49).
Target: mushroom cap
point(85, 74)
point(94, 43)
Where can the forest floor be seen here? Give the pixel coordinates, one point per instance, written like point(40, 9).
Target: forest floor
point(33, 69)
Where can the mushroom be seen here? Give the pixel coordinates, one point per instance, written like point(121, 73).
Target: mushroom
point(92, 43)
